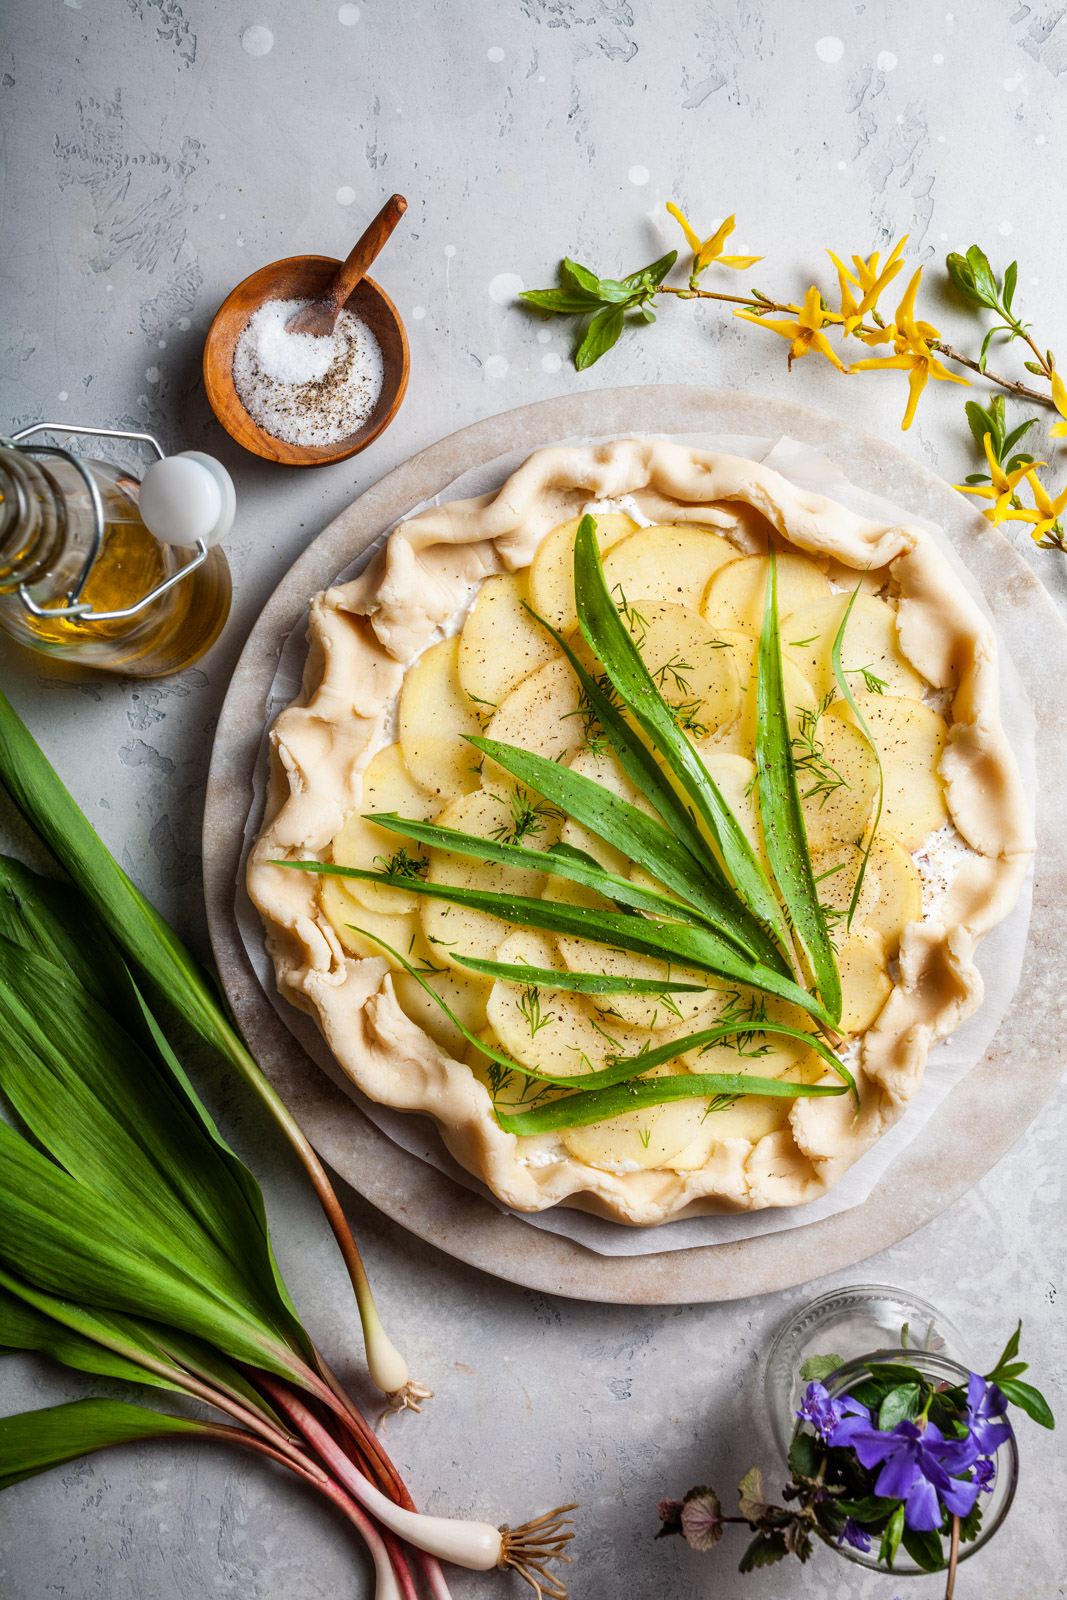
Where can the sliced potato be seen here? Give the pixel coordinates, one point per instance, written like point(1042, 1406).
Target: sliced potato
point(638, 1139)
point(603, 767)
point(870, 645)
point(553, 1031)
point(735, 778)
point(500, 644)
point(736, 595)
point(900, 891)
point(340, 910)
point(457, 929)
point(435, 716)
point(552, 568)
point(465, 996)
point(865, 983)
point(541, 715)
point(836, 870)
point(763, 1055)
point(911, 739)
point(692, 670)
point(891, 895)
point(739, 738)
point(837, 775)
point(509, 1090)
point(671, 562)
point(387, 786)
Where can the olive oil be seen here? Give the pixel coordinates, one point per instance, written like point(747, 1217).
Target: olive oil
point(47, 525)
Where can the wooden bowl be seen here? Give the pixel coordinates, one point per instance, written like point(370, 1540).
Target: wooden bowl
point(302, 278)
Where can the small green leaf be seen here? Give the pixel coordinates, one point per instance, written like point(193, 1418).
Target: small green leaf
point(561, 302)
point(764, 1551)
point(602, 333)
point(984, 278)
point(613, 292)
point(894, 1372)
point(752, 1502)
point(805, 1455)
point(651, 276)
point(982, 422)
point(1028, 1399)
point(959, 270)
point(925, 1549)
point(818, 1368)
point(581, 277)
point(892, 1536)
point(900, 1404)
point(1009, 1352)
point(1017, 433)
point(1011, 275)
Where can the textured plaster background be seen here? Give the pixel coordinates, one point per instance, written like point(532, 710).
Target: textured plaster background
point(156, 153)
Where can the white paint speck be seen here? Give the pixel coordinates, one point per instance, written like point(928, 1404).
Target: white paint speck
point(111, 288)
point(73, 5)
point(161, 344)
point(886, 61)
point(63, 395)
point(842, 166)
point(222, 216)
point(551, 362)
point(494, 53)
point(505, 287)
point(345, 195)
point(1004, 228)
point(257, 40)
point(1012, 83)
point(943, 236)
point(950, 21)
point(152, 374)
point(540, 77)
point(450, 251)
point(1040, 139)
point(829, 49)
point(240, 244)
point(941, 138)
point(418, 312)
point(544, 337)
point(347, 16)
point(1034, 282)
point(496, 368)
point(900, 120)
point(939, 61)
point(184, 324)
point(639, 176)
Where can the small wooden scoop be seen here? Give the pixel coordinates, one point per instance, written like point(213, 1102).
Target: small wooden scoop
point(320, 317)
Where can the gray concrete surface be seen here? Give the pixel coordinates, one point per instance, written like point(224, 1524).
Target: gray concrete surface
point(156, 152)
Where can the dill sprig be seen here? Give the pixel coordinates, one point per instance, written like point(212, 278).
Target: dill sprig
point(809, 756)
point(403, 865)
point(529, 817)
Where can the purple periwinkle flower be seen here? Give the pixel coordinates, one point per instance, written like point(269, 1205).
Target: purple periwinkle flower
point(854, 1535)
point(984, 1473)
point(917, 1467)
point(985, 1406)
point(826, 1415)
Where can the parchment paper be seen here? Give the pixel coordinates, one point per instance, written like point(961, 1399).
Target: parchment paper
point(999, 958)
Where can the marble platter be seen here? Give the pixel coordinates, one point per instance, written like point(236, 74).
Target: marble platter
point(975, 1126)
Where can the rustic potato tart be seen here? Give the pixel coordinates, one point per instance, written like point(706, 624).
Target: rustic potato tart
point(906, 784)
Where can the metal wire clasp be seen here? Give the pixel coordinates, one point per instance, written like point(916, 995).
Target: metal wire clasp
point(76, 608)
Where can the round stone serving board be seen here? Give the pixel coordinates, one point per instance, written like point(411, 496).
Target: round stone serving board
point(974, 1127)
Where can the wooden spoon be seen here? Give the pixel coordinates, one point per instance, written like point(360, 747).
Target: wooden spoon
point(320, 317)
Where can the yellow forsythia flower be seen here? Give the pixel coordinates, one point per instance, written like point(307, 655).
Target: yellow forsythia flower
point(867, 277)
point(1046, 511)
point(1002, 488)
point(1059, 397)
point(806, 332)
point(911, 343)
point(705, 251)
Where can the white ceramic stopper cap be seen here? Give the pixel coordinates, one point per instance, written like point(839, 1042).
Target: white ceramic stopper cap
point(186, 498)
